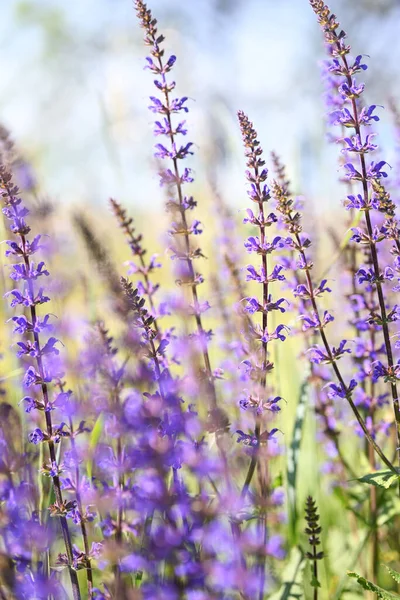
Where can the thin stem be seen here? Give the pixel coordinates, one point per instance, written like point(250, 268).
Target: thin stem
point(373, 494)
point(264, 532)
point(89, 571)
point(55, 479)
point(114, 394)
point(119, 584)
point(249, 476)
point(315, 572)
point(263, 382)
point(373, 509)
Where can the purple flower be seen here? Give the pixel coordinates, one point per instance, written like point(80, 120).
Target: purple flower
point(275, 335)
point(36, 436)
point(253, 244)
point(252, 306)
point(354, 144)
point(351, 91)
point(32, 377)
point(39, 374)
point(251, 440)
point(30, 404)
point(339, 391)
point(275, 547)
point(313, 321)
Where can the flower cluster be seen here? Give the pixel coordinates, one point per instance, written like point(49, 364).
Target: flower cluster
point(267, 272)
point(183, 228)
point(311, 293)
point(373, 201)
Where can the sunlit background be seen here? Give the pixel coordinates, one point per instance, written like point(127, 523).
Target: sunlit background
point(74, 93)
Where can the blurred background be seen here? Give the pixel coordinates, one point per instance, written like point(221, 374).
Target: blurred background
point(74, 93)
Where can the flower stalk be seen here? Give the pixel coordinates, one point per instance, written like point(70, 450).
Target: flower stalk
point(313, 530)
point(27, 272)
point(373, 196)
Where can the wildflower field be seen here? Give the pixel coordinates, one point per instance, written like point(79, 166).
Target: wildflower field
point(202, 402)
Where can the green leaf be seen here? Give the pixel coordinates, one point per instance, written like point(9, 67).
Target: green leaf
point(314, 582)
point(94, 440)
point(393, 573)
point(383, 479)
point(353, 561)
point(293, 457)
point(292, 577)
point(388, 509)
point(371, 587)
point(353, 500)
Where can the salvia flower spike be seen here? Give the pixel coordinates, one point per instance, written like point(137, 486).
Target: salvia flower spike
point(293, 278)
point(368, 175)
point(38, 375)
point(182, 230)
point(260, 398)
point(259, 194)
point(311, 292)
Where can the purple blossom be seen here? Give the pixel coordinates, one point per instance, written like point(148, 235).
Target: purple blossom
point(36, 436)
point(339, 391)
point(253, 244)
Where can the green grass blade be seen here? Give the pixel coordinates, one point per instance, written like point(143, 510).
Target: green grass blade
point(371, 587)
point(292, 587)
point(293, 458)
point(360, 548)
point(94, 440)
point(383, 479)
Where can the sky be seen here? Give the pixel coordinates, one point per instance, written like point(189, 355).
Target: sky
point(74, 93)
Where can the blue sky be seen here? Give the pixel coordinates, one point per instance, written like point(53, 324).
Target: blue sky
point(74, 92)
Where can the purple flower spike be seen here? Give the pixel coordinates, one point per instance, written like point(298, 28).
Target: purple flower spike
point(370, 197)
point(38, 375)
point(175, 179)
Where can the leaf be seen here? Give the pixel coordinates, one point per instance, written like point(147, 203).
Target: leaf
point(314, 582)
point(371, 587)
point(383, 479)
point(352, 501)
point(293, 456)
point(291, 587)
point(393, 573)
point(389, 508)
point(94, 440)
point(353, 561)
